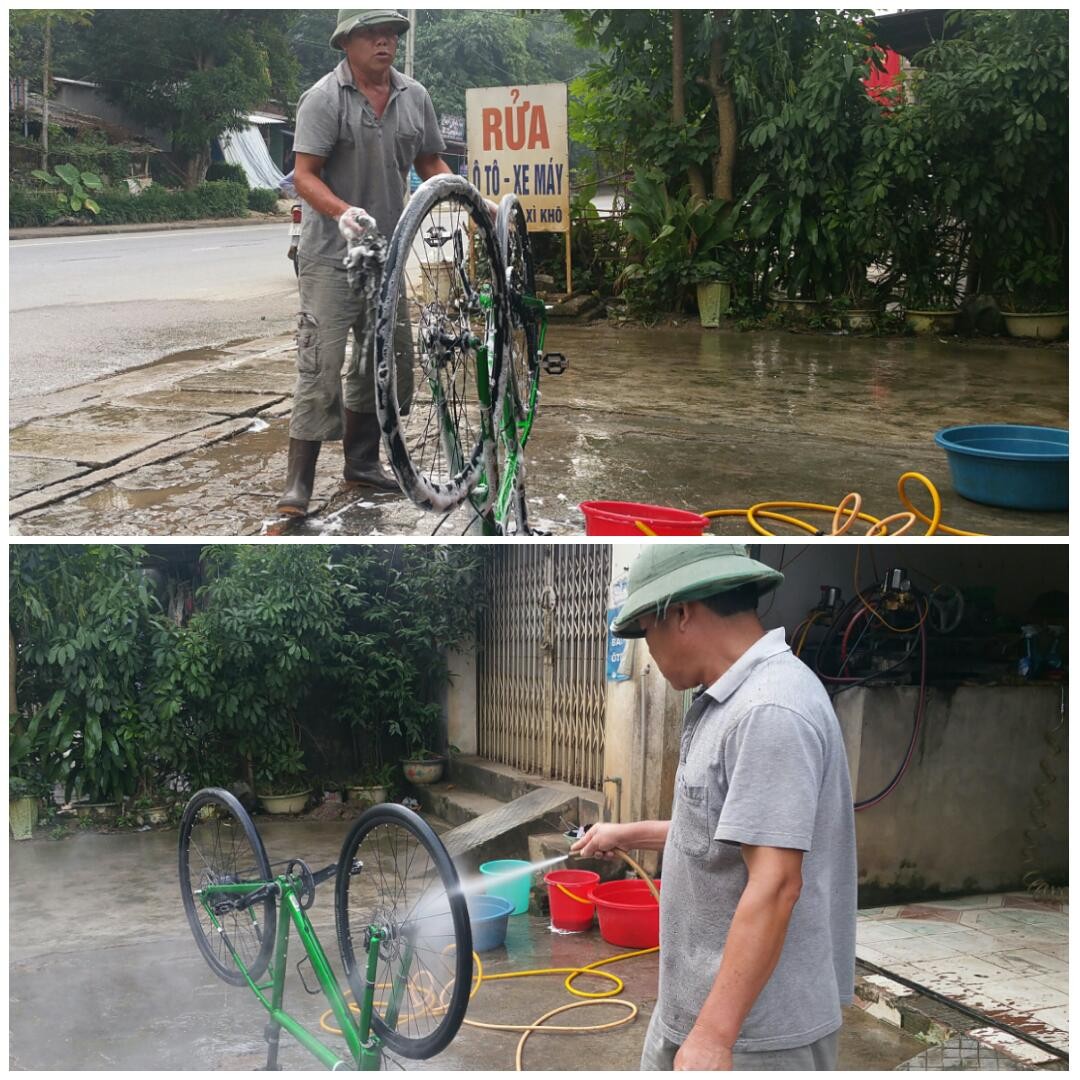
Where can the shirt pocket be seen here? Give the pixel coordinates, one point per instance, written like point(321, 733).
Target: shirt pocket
point(407, 141)
point(690, 821)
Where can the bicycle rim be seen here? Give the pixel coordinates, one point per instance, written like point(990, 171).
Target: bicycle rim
point(442, 258)
point(409, 889)
point(220, 845)
point(521, 330)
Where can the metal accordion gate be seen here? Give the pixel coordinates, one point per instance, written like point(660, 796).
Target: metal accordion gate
point(541, 690)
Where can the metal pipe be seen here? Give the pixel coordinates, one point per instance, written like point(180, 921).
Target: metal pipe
point(617, 781)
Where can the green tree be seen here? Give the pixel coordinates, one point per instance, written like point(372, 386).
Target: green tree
point(194, 73)
point(86, 626)
point(46, 21)
point(992, 105)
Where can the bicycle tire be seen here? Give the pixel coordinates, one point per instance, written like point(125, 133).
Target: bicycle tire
point(263, 914)
point(422, 1044)
point(435, 477)
point(521, 336)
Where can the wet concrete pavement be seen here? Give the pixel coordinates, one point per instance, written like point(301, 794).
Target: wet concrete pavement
point(104, 973)
point(682, 417)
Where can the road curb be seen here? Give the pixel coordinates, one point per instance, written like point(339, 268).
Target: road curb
point(41, 232)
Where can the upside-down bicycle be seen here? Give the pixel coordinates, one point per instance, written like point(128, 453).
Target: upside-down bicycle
point(401, 919)
point(459, 341)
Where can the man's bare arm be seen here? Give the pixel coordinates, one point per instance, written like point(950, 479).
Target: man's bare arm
point(751, 953)
point(310, 186)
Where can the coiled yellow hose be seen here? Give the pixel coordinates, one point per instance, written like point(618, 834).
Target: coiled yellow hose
point(845, 514)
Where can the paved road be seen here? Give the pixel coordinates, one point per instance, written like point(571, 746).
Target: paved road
point(85, 306)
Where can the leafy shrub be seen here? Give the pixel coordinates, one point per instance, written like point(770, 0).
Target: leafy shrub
point(223, 170)
point(262, 200)
point(30, 208)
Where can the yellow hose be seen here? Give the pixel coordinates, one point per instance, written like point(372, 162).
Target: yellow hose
point(847, 512)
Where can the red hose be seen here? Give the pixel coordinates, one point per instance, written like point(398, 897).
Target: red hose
point(919, 711)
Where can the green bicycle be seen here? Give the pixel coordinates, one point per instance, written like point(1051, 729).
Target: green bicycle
point(458, 354)
point(401, 919)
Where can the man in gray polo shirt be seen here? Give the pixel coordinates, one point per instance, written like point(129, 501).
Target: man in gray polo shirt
point(758, 896)
point(358, 131)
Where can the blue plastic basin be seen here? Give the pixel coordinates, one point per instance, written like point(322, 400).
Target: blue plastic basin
point(488, 916)
point(1010, 465)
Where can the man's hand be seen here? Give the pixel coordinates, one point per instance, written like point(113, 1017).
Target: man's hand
point(599, 842)
point(702, 1053)
point(355, 224)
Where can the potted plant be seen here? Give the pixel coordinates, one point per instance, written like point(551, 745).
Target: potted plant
point(1033, 299)
point(930, 306)
point(372, 785)
point(284, 793)
point(26, 788)
point(713, 280)
point(151, 808)
point(423, 766)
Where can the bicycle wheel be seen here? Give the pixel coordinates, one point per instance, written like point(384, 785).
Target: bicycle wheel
point(406, 885)
point(441, 300)
point(219, 845)
point(521, 332)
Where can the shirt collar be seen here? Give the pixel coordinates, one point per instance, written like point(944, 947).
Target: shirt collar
point(772, 644)
point(345, 76)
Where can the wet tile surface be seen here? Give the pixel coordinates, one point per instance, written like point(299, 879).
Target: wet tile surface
point(1002, 954)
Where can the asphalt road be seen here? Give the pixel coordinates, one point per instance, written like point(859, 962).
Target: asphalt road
point(86, 306)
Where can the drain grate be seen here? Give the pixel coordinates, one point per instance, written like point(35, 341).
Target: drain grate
point(960, 1052)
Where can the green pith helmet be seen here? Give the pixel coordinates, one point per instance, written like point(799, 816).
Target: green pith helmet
point(666, 574)
point(348, 21)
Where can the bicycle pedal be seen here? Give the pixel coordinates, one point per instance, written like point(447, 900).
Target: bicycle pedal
point(555, 363)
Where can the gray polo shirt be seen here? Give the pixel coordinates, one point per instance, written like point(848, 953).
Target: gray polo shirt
point(367, 159)
point(762, 762)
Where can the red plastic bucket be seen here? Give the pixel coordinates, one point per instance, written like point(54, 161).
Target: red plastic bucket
point(628, 913)
point(568, 894)
point(621, 519)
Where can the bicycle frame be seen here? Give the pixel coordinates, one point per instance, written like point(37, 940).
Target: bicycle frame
point(514, 432)
point(364, 1046)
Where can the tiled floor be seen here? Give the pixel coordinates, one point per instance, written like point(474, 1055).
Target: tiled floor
point(1005, 955)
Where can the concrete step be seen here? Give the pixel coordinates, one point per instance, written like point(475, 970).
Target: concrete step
point(454, 803)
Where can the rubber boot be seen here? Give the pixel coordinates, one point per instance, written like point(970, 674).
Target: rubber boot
point(361, 446)
point(300, 479)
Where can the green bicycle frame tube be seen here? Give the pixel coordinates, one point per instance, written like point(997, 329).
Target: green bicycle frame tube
point(363, 1046)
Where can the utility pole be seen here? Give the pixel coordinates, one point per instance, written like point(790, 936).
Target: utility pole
point(410, 42)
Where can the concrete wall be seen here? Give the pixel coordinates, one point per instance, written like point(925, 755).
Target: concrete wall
point(984, 801)
point(460, 701)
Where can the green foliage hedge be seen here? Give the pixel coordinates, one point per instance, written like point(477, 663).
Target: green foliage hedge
point(223, 170)
point(115, 698)
point(214, 199)
point(262, 200)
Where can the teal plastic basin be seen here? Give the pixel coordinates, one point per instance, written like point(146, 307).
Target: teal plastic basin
point(1015, 466)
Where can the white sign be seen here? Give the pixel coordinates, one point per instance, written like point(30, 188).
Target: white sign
point(518, 144)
